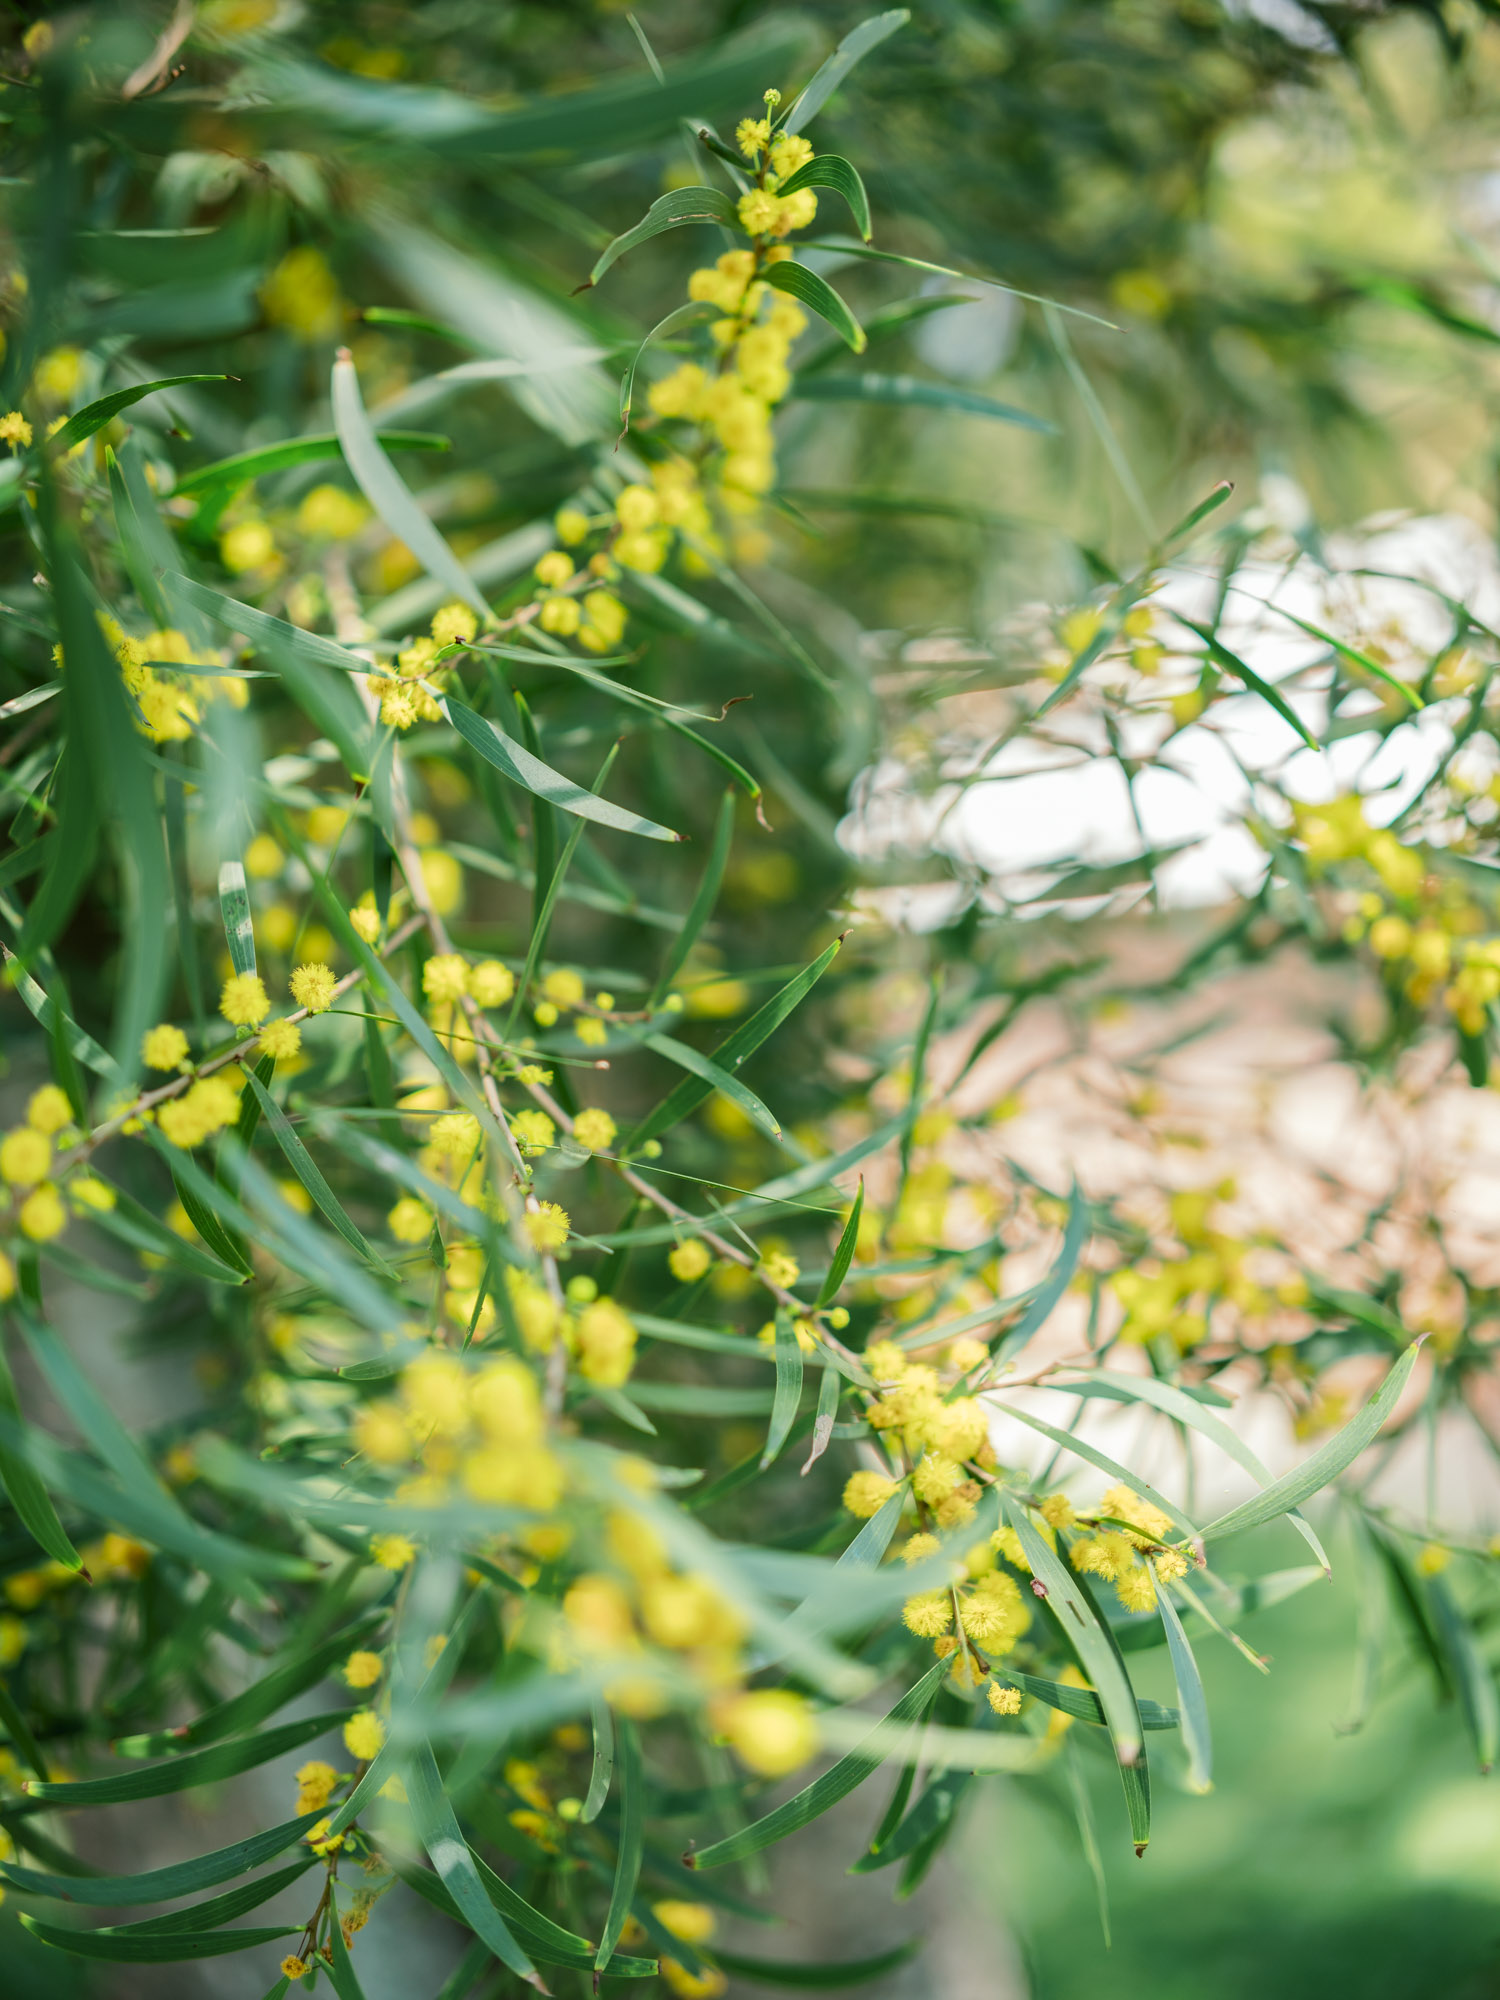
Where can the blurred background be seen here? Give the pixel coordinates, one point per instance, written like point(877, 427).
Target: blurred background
point(1279, 227)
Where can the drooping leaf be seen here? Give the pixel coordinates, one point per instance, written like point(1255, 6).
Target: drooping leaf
point(827, 78)
point(245, 466)
point(162, 1885)
point(127, 1947)
point(602, 1772)
point(909, 392)
point(631, 1789)
point(669, 211)
point(788, 1387)
point(717, 1078)
point(827, 1977)
point(24, 1487)
point(1191, 1699)
point(94, 416)
point(843, 1256)
point(440, 1835)
point(704, 899)
point(310, 1174)
point(804, 285)
point(209, 1766)
point(1470, 1671)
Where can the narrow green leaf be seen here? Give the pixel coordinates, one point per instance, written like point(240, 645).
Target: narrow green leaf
point(731, 1052)
point(341, 1972)
point(227, 1245)
point(1081, 1626)
point(519, 765)
point(94, 416)
point(268, 458)
point(382, 486)
point(688, 1058)
point(692, 314)
point(1201, 512)
point(629, 1844)
point(788, 1387)
point(1075, 1236)
point(670, 211)
point(162, 1885)
point(154, 1947)
point(604, 1761)
point(843, 1256)
point(828, 1408)
point(27, 1494)
point(704, 899)
point(220, 1909)
point(818, 296)
point(909, 392)
point(1350, 653)
point(209, 1766)
point(824, 1792)
point(830, 170)
point(440, 1835)
point(829, 75)
point(1470, 1671)
point(1221, 656)
point(308, 1172)
point(234, 907)
point(1191, 1699)
point(1314, 1473)
point(16, 1728)
point(130, 1223)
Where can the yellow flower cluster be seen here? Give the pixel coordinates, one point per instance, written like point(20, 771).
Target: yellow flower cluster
point(169, 706)
point(403, 697)
point(26, 1168)
point(206, 1107)
point(1113, 1553)
point(992, 1612)
point(937, 1435)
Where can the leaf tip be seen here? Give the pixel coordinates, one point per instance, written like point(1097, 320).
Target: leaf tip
point(1140, 1850)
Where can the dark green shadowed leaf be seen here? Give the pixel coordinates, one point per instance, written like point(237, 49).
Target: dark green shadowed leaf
point(825, 1978)
point(197, 1767)
point(24, 1487)
point(688, 1058)
point(631, 1788)
point(220, 1909)
point(818, 296)
point(310, 1175)
point(1469, 1670)
point(1232, 663)
point(823, 1793)
point(341, 1971)
point(911, 392)
point(161, 1885)
point(454, 1863)
point(94, 416)
point(830, 170)
point(788, 1387)
point(129, 1947)
point(843, 1256)
point(704, 899)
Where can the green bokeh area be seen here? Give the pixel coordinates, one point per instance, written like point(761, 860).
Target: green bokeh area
point(1323, 1864)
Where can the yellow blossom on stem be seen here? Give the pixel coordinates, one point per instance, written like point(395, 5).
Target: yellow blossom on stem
point(164, 1047)
point(313, 987)
point(689, 1261)
point(364, 1735)
point(244, 1002)
point(547, 1227)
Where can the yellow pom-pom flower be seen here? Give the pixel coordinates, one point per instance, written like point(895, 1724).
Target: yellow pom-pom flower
point(490, 983)
point(1003, 1700)
point(25, 1157)
point(313, 987)
point(49, 1110)
point(281, 1040)
point(771, 1730)
point(547, 1227)
point(865, 1493)
point(594, 1129)
point(533, 1131)
point(164, 1047)
point(364, 1735)
point(42, 1215)
point(362, 1670)
point(244, 1002)
point(445, 978)
point(689, 1261)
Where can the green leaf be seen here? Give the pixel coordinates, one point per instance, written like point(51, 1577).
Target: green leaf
point(267, 458)
point(221, 1909)
point(341, 1971)
point(688, 1058)
point(1192, 1701)
point(162, 1885)
point(548, 1942)
point(293, 1676)
point(843, 1256)
point(692, 314)
point(308, 1172)
point(670, 211)
point(16, 1729)
point(131, 1223)
point(629, 1841)
point(827, 78)
point(910, 392)
point(731, 1052)
point(804, 285)
point(234, 907)
point(823, 1793)
point(316, 670)
point(440, 1835)
point(519, 765)
point(1080, 1624)
point(1220, 654)
point(209, 1766)
point(382, 486)
point(830, 170)
point(704, 899)
point(788, 1387)
point(1326, 1464)
point(1075, 1236)
point(602, 1772)
point(829, 1390)
point(94, 416)
point(129, 1947)
point(824, 1978)
point(1470, 1672)
point(1350, 653)
point(27, 1494)
point(225, 1244)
